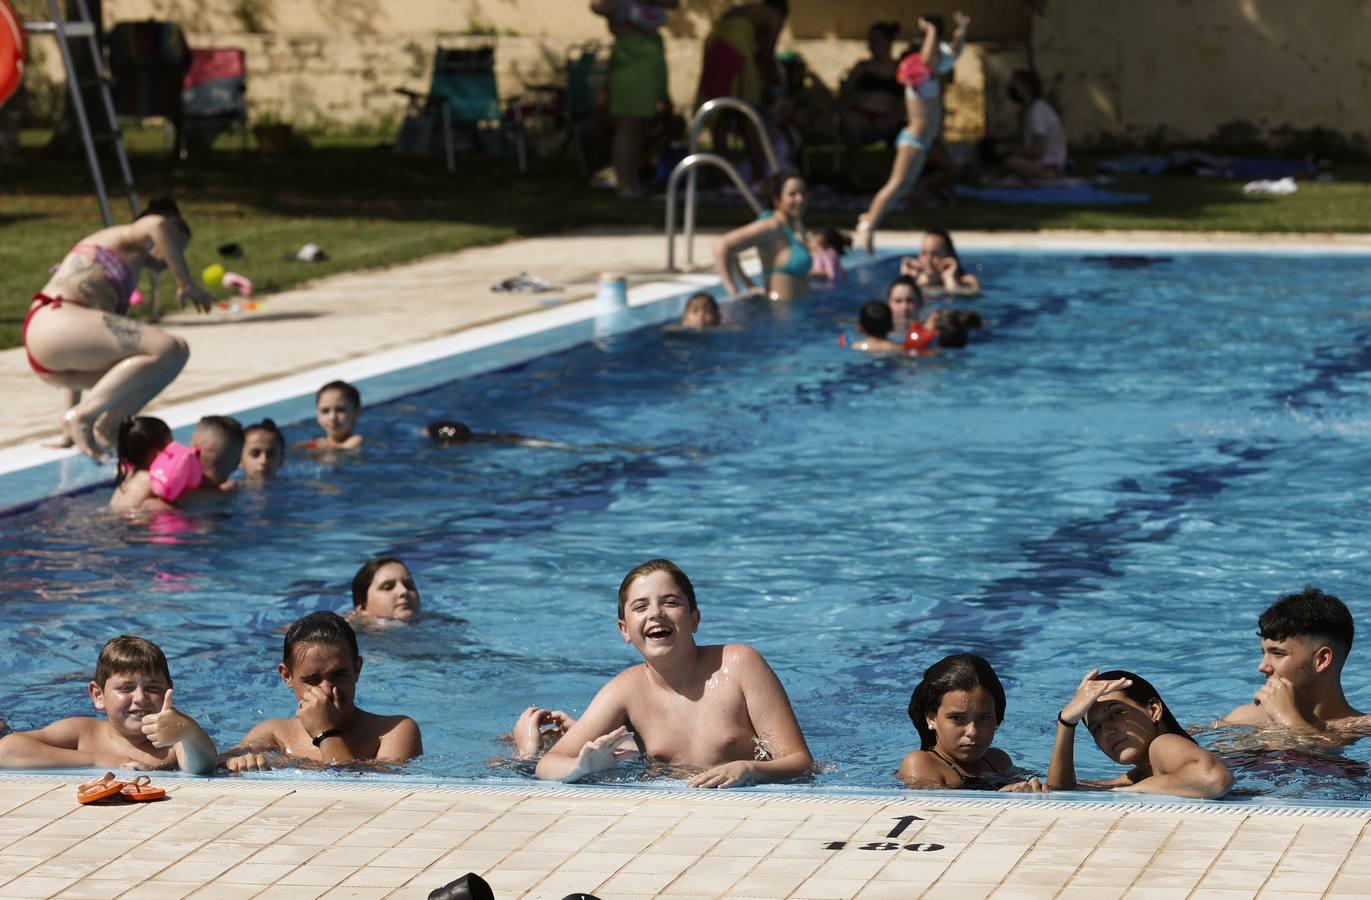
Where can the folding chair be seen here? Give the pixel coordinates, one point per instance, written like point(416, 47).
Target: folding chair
point(214, 97)
point(148, 61)
point(463, 95)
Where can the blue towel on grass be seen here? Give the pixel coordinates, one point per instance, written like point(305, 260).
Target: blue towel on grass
point(1073, 194)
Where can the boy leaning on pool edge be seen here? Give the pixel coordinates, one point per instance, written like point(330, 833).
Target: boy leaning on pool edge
point(718, 708)
point(142, 728)
point(1305, 640)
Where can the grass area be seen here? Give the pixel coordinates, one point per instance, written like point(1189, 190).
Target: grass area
point(368, 207)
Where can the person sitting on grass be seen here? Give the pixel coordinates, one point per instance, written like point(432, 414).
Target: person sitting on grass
point(1132, 725)
point(336, 408)
point(321, 665)
point(718, 709)
point(1305, 640)
point(142, 728)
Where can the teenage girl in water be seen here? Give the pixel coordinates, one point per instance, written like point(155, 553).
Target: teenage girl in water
point(779, 236)
point(79, 338)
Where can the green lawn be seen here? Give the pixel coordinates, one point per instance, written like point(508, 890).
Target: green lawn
point(369, 208)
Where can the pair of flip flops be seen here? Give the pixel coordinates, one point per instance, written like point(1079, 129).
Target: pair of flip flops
point(139, 790)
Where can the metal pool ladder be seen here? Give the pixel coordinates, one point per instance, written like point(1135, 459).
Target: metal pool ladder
point(694, 159)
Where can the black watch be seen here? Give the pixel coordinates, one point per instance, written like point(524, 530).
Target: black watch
point(325, 735)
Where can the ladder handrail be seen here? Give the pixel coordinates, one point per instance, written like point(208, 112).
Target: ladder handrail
point(688, 165)
point(697, 124)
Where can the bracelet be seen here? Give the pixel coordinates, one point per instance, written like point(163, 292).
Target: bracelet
point(1062, 722)
point(325, 735)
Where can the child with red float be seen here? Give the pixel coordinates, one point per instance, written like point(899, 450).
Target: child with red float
point(155, 472)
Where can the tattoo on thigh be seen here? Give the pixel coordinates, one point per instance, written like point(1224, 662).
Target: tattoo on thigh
point(127, 334)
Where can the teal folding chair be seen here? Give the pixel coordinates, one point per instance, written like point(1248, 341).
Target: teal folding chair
point(464, 96)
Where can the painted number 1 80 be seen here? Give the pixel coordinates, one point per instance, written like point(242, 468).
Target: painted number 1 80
point(902, 823)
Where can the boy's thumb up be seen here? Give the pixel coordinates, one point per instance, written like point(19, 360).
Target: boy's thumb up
point(166, 701)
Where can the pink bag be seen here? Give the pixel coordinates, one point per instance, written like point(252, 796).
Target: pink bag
point(176, 470)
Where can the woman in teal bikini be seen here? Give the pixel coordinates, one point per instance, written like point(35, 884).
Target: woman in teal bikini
point(779, 236)
point(77, 334)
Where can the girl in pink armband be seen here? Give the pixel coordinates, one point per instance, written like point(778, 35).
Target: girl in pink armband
point(828, 247)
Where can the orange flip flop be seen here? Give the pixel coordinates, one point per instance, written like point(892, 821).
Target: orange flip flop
point(140, 790)
point(99, 789)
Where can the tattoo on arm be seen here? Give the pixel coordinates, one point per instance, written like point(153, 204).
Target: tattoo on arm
point(127, 334)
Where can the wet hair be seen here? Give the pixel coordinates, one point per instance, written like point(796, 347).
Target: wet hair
point(448, 431)
point(876, 319)
point(1031, 81)
point(837, 240)
point(1142, 693)
point(959, 672)
point(128, 655)
point(955, 327)
point(909, 280)
point(951, 247)
point(167, 208)
point(321, 627)
point(776, 183)
point(1309, 613)
point(657, 565)
point(354, 396)
point(141, 438)
point(710, 305)
point(270, 428)
point(227, 428)
point(887, 30)
point(361, 582)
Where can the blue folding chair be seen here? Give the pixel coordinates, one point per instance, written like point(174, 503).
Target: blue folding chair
point(463, 96)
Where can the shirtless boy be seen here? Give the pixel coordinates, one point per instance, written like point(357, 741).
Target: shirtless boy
point(142, 729)
point(321, 665)
point(1305, 641)
point(719, 709)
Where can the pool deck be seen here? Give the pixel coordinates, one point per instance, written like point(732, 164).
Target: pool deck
point(303, 839)
point(237, 838)
point(344, 317)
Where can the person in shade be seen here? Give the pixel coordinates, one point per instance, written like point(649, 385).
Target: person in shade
point(717, 710)
point(778, 235)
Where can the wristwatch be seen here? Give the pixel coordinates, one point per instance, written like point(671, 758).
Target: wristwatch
point(325, 735)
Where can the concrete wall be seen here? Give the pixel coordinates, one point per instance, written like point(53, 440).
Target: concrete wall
point(1181, 68)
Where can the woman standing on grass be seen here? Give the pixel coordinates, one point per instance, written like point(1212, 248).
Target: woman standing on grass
point(78, 336)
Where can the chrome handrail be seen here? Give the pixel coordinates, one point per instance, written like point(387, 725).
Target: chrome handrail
point(697, 124)
point(688, 165)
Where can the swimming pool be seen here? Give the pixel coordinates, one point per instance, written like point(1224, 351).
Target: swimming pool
point(1135, 458)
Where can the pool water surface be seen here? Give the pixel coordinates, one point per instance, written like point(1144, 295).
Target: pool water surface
point(1134, 459)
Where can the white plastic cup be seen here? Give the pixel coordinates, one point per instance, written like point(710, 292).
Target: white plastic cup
point(613, 290)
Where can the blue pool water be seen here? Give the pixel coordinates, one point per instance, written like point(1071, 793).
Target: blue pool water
point(1122, 471)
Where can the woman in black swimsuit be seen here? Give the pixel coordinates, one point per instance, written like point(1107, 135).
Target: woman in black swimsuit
point(956, 709)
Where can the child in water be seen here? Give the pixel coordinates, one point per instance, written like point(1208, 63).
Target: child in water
point(384, 589)
point(701, 312)
point(1132, 726)
point(141, 439)
point(218, 441)
point(828, 246)
point(141, 729)
point(321, 665)
point(336, 408)
point(956, 709)
point(876, 323)
point(264, 451)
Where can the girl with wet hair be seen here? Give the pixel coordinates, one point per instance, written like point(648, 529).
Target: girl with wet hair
point(779, 238)
point(956, 709)
point(140, 439)
point(1132, 725)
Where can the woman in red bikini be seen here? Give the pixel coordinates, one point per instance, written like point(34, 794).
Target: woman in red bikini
point(78, 335)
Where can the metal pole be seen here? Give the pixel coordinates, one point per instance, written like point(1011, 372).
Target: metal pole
point(115, 135)
point(697, 124)
point(685, 167)
point(78, 104)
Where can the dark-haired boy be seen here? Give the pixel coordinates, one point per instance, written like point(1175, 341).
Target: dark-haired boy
point(142, 729)
point(1305, 639)
point(321, 664)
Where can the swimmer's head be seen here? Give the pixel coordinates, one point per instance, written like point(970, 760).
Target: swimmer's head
point(648, 568)
point(384, 589)
point(336, 407)
point(955, 327)
point(448, 432)
point(321, 651)
point(141, 438)
point(128, 655)
point(904, 298)
point(702, 311)
point(935, 246)
point(264, 450)
point(964, 674)
point(1125, 722)
point(220, 439)
point(131, 681)
point(875, 320)
point(1305, 636)
point(786, 190)
point(835, 240)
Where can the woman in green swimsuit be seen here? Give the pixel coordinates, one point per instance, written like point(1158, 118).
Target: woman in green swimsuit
point(779, 236)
